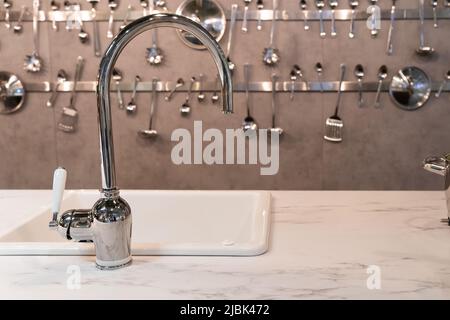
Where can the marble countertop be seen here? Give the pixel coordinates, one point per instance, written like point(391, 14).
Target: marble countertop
point(324, 245)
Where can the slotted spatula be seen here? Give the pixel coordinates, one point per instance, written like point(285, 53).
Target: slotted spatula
point(334, 125)
point(69, 116)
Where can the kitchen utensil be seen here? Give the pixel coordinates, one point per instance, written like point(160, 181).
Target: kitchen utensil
point(359, 74)
point(154, 54)
point(33, 63)
point(373, 19)
point(97, 50)
point(54, 6)
point(295, 74)
point(201, 94)
point(60, 79)
point(423, 50)
point(161, 4)
point(132, 106)
point(245, 19)
point(19, 25)
point(390, 46)
point(333, 5)
point(444, 82)
point(215, 96)
point(7, 4)
point(410, 88)
point(12, 93)
point(117, 77)
point(382, 74)
point(434, 4)
point(127, 16)
point(260, 6)
point(274, 128)
point(209, 13)
point(150, 132)
point(249, 125)
point(304, 7)
point(82, 34)
point(353, 5)
point(112, 4)
point(319, 71)
point(69, 116)
point(271, 55)
point(144, 5)
point(69, 8)
point(334, 125)
point(179, 84)
point(185, 107)
point(234, 9)
point(320, 4)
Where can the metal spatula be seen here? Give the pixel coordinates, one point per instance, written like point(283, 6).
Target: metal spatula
point(69, 117)
point(334, 124)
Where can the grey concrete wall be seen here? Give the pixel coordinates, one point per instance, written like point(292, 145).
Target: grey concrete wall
point(382, 149)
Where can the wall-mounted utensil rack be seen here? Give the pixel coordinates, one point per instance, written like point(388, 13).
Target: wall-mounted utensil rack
point(283, 15)
point(264, 86)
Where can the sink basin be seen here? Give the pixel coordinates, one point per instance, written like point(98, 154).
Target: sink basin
point(229, 223)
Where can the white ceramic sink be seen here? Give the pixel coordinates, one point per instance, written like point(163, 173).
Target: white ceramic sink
point(164, 223)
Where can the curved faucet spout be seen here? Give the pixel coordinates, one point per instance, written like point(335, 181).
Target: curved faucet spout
point(107, 64)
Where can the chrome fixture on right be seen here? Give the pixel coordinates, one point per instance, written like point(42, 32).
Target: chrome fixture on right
point(441, 166)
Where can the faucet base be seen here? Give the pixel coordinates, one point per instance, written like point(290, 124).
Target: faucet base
point(113, 265)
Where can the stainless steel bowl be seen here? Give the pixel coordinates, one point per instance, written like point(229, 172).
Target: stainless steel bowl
point(410, 88)
point(12, 93)
point(209, 14)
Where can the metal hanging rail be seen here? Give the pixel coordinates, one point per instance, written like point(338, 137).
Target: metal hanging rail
point(264, 86)
point(282, 15)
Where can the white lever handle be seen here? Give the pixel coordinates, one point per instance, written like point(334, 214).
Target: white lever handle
point(59, 184)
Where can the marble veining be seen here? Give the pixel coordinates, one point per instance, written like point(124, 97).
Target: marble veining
point(322, 243)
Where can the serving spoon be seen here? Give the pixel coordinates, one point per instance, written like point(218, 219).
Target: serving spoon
point(179, 84)
point(185, 107)
point(296, 73)
point(304, 7)
point(154, 54)
point(353, 5)
point(359, 74)
point(132, 106)
point(333, 5)
point(271, 55)
point(60, 79)
point(7, 6)
point(19, 26)
point(117, 77)
point(33, 63)
point(249, 125)
point(234, 9)
point(382, 74)
point(150, 132)
point(54, 6)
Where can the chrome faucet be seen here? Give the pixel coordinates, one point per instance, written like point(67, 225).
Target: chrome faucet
point(108, 223)
point(441, 166)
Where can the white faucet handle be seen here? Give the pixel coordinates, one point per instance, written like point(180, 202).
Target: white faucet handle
point(59, 184)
